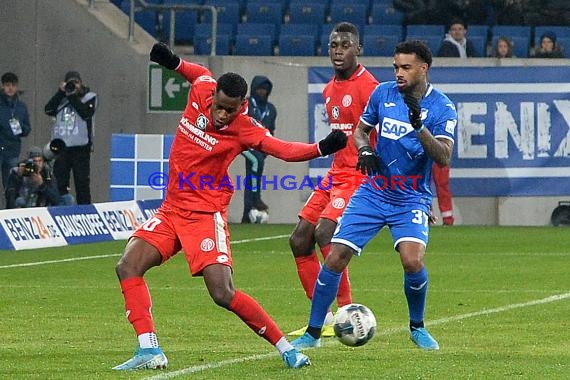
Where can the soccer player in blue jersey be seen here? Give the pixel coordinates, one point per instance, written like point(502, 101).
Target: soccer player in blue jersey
point(416, 126)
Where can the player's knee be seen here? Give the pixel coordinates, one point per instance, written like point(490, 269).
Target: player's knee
point(299, 245)
point(412, 264)
point(222, 297)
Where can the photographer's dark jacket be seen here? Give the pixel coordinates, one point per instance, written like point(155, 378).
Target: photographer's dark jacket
point(21, 193)
point(73, 117)
point(12, 107)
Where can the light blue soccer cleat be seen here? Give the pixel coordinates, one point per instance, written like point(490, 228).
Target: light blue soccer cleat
point(423, 339)
point(144, 358)
point(295, 359)
point(306, 341)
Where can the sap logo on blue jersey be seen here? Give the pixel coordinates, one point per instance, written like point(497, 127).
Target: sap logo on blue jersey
point(395, 129)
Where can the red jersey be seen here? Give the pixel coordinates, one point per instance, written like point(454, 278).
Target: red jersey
point(345, 101)
point(201, 154)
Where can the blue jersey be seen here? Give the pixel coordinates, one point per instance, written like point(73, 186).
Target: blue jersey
point(405, 174)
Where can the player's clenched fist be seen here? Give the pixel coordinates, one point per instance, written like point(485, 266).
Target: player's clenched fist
point(335, 141)
point(368, 162)
point(415, 112)
point(161, 54)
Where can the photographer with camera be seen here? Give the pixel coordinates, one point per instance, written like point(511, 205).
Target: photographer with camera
point(73, 107)
point(31, 183)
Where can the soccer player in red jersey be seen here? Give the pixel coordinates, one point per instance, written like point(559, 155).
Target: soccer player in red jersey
point(213, 130)
point(346, 95)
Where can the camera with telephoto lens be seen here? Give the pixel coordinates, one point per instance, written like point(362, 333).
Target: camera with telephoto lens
point(70, 85)
point(30, 167)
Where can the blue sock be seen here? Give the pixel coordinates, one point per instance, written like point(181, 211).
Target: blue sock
point(326, 288)
point(415, 287)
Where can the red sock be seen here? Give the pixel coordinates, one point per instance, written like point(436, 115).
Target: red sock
point(344, 295)
point(308, 268)
point(255, 317)
point(138, 304)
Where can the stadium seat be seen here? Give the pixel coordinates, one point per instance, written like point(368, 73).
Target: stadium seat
point(560, 31)
point(477, 31)
point(480, 44)
point(228, 11)
point(297, 45)
point(425, 30)
point(432, 41)
point(258, 45)
point(564, 42)
point(511, 31)
point(203, 44)
point(300, 29)
point(306, 13)
point(205, 29)
point(254, 29)
point(386, 14)
point(379, 30)
point(183, 27)
point(355, 13)
point(264, 12)
point(379, 45)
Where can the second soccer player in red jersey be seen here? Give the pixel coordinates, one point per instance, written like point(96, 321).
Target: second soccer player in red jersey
point(345, 95)
point(213, 130)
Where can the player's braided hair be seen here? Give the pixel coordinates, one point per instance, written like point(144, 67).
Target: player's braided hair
point(415, 47)
point(347, 27)
point(233, 85)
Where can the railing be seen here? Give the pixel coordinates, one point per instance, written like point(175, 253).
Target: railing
point(172, 8)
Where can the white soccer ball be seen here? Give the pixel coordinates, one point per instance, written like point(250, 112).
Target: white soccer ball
point(354, 324)
point(258, 217)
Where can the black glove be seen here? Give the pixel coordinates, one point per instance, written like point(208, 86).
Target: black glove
point(335, 141)
point(415, 112)
point(368, 163)
point(162, 55)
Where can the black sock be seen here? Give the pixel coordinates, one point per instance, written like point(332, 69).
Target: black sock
point(416, 325)
point(315, 332)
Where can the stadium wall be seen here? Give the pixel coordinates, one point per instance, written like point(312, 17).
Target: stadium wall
point(44, 39)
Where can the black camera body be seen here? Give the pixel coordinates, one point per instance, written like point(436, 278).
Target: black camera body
point(29, 167)
point(70, 85)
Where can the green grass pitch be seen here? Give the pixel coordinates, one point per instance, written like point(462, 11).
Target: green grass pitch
point(498, 303)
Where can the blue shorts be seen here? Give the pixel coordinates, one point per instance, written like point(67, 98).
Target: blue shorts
point(367, 213)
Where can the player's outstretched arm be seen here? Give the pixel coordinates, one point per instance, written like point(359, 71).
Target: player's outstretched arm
point(164, 56)
point(296, 151)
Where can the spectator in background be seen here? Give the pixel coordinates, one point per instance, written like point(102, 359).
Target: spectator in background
point(31, 183)
point(73, 107)
point(503, 48)
point(455, 43)
point(14, 124)
point(548, 47)
point(262, 110)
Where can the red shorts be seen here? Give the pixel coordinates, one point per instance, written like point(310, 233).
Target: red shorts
point(203, 236)
point(329, 201)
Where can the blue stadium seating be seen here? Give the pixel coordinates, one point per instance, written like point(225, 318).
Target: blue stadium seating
point(264, 12)
point(205, 29)
point(560, 31)
point(521, 45)
point(355, 13)
point(306, 13)
point(379, 45)
point(183, 27)
point(258, 46)
point(254, 29)
point(379, 30)
point(386, 14)
point(300, 29)
point(203, 45)
point(432, 41)
point(480, 44)
point(424, 30)
point(511, 31)
point(297, 45)
point(477, 31)
point(228, 11)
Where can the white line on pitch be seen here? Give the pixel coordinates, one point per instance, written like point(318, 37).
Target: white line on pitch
point(204, 367)
point(119, 254)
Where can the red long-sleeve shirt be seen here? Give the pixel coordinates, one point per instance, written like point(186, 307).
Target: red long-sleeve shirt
point(201, 154)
